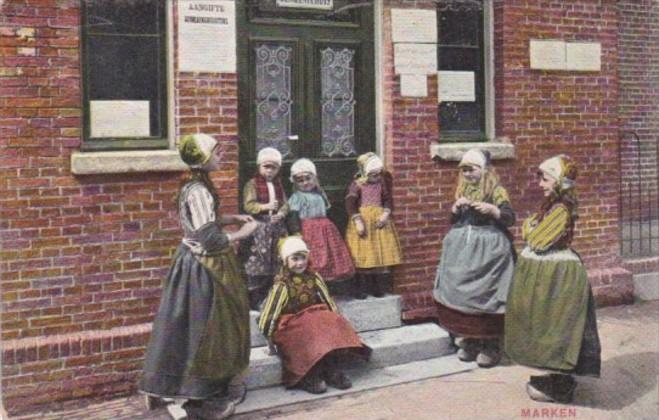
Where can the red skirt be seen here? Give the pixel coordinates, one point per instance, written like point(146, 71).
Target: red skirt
point(329, 254)
point(461, 324)
point(304, 338)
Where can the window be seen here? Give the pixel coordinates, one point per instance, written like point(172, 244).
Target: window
point(124, 74)
point(463, 52)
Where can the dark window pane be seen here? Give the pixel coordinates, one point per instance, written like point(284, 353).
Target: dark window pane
point(460, 59)
point(460, 116)
point(124, 16)
point(459, 28)
point(124, 56)
point(460, 39)
point(128, 69)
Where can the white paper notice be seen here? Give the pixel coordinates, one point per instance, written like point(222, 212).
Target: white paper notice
point(415, 58)
point(456, 86)
point(413, 25)
point(414, 85)
point(547, 54)
point(307, 4)
point(207, 36)
point(584, 56)
point(119, 119)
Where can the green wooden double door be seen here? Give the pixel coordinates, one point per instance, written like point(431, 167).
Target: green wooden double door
point(306, 88)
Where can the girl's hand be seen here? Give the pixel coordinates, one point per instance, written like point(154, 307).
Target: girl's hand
point(487, 209)
point(361, 229)
point(271, 206)
point(242, 218)
point(462, 201)
point(382, 220)
point(246, 230)
point(276, 218)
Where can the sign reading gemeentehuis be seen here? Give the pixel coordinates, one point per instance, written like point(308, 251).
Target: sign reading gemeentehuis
point(307, 4)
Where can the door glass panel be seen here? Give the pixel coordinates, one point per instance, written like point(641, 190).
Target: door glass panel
point(337, 101)
point(273, 102)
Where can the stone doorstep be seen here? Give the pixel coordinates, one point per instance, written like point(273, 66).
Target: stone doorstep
point(393, 346)
point(363, 379)
point(646, 286)
point(364, 315)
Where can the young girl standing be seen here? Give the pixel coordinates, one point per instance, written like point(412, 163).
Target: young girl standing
point(200, 338)
point(329, 255)
point(301, 319)
point(265, 200)
point(477, 262)
point(550, 320)
point(371, 235)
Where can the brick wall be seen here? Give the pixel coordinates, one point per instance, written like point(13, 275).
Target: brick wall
point(83, 257)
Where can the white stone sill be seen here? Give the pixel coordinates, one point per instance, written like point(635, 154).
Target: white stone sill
point(499, 149)
point(86, 163)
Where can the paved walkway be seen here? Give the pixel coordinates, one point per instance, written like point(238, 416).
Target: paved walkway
point(627, 389)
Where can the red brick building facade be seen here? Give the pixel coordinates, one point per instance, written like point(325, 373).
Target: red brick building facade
point(83, 254)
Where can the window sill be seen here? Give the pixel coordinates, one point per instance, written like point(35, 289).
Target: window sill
point(126, 162)
point(499, 149)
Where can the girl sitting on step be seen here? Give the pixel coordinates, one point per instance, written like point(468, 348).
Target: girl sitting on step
point(300, 318)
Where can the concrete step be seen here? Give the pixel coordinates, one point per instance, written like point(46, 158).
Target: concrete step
point(363, 379)
point(646, 286)
point(391, 346)
point(364, 315)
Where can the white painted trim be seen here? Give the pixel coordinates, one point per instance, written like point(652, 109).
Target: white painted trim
point(378, 49)
point(488, 35)
point(498, 148)
point(129, 161)
point(172, 130)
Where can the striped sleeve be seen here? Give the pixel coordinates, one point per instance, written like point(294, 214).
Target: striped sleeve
point(200, 203)
point(324, 294)
point(274, 303)
point(550, 230)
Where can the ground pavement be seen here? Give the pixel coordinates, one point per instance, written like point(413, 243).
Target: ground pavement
point(627, 389)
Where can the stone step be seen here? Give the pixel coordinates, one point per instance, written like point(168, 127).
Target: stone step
point(363, 379)
point(364, 315)
point(646, 286)
point(391, 346)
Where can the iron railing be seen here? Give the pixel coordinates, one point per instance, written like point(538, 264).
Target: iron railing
point(639, 196)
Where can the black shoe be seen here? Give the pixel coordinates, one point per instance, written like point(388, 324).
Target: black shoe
point(552, 388)
point(337, 379)
point(313, 384)
point(217, 409)
point(376, 287)
point(358, 291)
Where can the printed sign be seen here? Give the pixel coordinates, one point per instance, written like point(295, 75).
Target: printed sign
point(119, 119)
point(307, 4)
point(207, 36)
point(415, 58)
point(456, 86)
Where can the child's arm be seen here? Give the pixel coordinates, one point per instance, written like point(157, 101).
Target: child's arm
point(352, 198)
point(550, 230)
point(324, 293)
point(274, 303)
point(250, 202)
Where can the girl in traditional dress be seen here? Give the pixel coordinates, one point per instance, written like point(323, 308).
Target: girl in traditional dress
point(265, 200)
point(200, 338)
point(550, 320)
point(371, 235)
point(477, 262)
point(329, 255)
point(301, 319)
